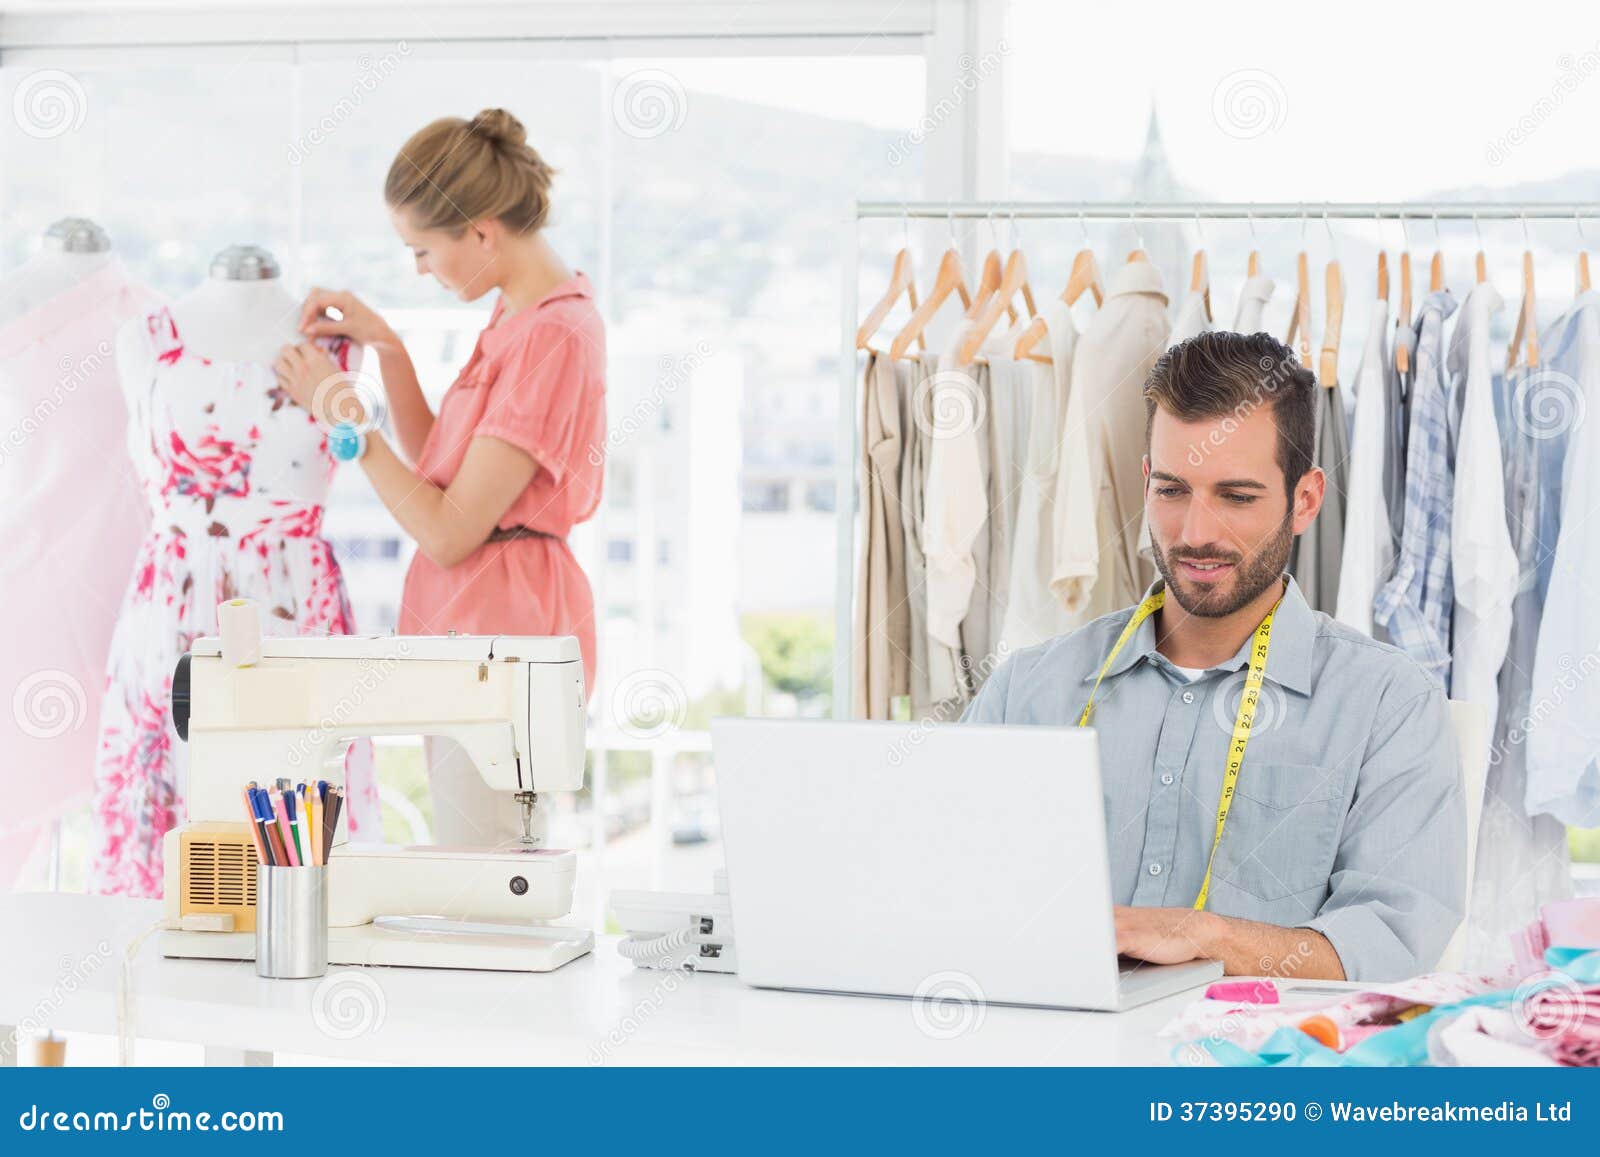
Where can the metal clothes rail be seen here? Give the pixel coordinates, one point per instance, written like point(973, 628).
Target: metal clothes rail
point(848, 447)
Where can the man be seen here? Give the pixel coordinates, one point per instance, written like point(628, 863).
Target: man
point(1342, 851)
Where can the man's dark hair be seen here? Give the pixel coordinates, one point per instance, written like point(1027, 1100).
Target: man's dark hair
point(1213, 375)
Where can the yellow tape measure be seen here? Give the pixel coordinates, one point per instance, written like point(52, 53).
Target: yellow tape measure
point(1242, 722)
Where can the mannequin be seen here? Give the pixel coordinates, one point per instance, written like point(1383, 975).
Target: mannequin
point(72, 518)
point(240, 313)
point(237, 478)
point(73, 248)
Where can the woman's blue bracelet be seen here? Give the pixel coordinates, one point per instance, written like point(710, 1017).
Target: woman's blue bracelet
point(346, 443)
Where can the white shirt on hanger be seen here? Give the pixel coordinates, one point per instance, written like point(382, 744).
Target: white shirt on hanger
point(1368, 537)
point(1253, 300)
point(955, 495)
point(1483, 561)
point(1192, 319)
point(1033, 613)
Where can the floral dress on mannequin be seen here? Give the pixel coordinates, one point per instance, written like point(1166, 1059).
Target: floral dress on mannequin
point(236, 476)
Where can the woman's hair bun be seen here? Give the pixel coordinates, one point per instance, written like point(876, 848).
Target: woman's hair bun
point(496, 124)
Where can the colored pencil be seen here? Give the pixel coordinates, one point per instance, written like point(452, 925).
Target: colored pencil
point(255, 827)
point(280, 810)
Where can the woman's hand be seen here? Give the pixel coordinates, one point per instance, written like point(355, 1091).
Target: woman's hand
point(314, 383)
point(356, 321)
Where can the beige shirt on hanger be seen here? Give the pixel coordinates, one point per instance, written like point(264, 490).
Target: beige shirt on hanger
point(1191, 322)
point(1100, 486)
point(883, 621)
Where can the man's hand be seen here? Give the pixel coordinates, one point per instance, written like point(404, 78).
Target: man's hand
point(1245, 947)
point(1164, 935)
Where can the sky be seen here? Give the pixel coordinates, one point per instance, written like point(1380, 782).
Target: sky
point(1269, 102)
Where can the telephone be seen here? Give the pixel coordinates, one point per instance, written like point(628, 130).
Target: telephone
point(668, 930)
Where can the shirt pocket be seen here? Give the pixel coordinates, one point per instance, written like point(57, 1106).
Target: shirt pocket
point(1283, 829)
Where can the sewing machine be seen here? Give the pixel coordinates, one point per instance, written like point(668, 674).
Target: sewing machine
point(256, 708)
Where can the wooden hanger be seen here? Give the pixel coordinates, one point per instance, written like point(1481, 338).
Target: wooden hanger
point(988, 283)
point(1436, 272)
point(1583, 273)
point(1200, 281)
point(1012, 281)
point(1480, 263)
point(1383, 277)
point(900, 281)
point(1253, 266)
point(1085, 277)
point(1527, 322)
point(1328, 358)
point(947, 279)
point(1300, 322)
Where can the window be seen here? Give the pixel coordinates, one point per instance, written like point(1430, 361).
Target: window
point(716, 183)
point(766, 497)
point(819, 496)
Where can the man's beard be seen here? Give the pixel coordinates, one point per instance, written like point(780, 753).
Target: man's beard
point(1252, 573)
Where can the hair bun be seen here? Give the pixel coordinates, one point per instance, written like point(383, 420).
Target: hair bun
point(499, 126)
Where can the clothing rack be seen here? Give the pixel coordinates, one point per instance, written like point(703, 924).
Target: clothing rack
point(848, 435)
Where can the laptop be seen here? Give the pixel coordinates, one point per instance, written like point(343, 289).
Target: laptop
point(921, 860)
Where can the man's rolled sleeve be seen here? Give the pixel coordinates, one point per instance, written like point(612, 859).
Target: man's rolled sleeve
point(1398, 889)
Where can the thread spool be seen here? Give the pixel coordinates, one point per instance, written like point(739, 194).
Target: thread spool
point(239, 625)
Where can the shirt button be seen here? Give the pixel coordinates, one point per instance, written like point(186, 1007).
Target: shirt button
point(1155, 869)
point(1166, 779)
point(1188, 696)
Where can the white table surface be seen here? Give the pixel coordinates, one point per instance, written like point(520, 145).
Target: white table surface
point(596, 1010)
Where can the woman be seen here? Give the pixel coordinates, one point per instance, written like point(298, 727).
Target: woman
point(512, 460)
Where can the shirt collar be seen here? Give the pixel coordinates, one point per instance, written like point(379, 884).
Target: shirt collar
point(1136, 277)
point(1294, 630)
point(575, 286)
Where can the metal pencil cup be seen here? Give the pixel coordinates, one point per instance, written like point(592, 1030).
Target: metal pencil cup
point(291, 922)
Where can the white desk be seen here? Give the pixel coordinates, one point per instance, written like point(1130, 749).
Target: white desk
point(597, 1010)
